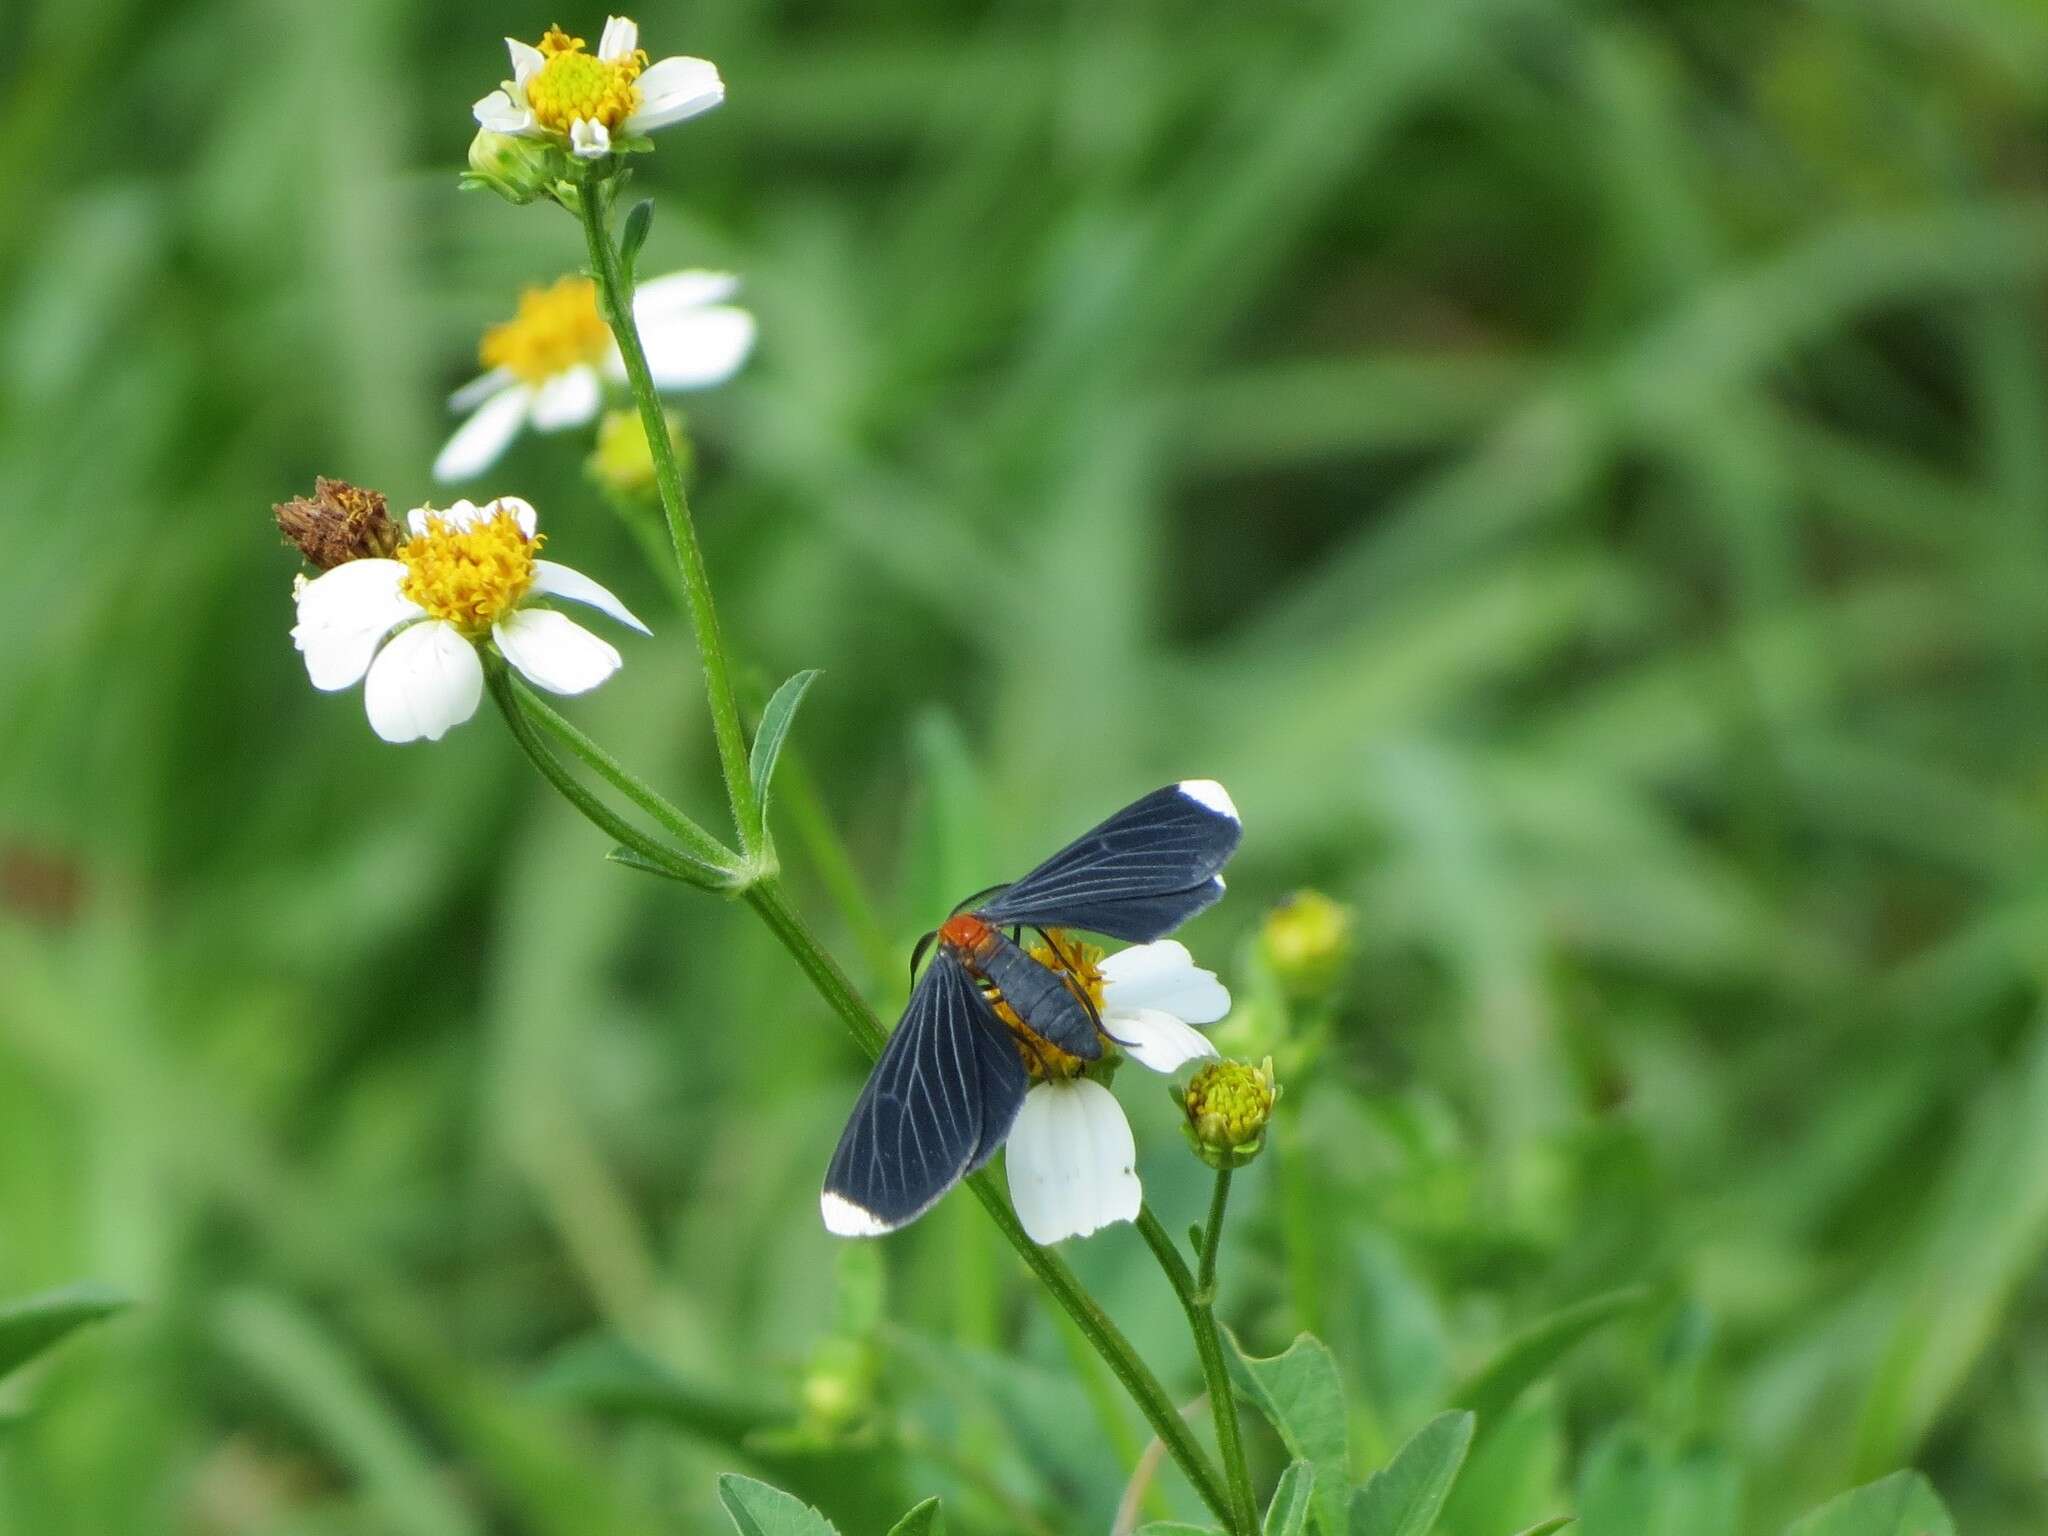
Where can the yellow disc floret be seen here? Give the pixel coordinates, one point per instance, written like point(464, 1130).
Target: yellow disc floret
point(574, 85)
point(557, 328)
point(469, 576)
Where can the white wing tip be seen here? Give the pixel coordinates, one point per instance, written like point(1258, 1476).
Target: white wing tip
point(845, 1219)
point(1211, 796)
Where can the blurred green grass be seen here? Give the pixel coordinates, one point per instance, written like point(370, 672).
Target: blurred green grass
point(1576, 471)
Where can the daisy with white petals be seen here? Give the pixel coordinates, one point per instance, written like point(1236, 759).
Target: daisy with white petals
point(1071, 1159)
point(546, 366)
point(584, 100)
point(409, 628)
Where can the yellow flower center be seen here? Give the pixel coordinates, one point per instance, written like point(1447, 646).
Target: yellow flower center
point(574, 84)
point(1081, 965)
point(469, 576)
point(557, 328)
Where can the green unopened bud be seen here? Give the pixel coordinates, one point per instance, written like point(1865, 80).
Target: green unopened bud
point(1227, 1104)
point(518, 170)
point(1307, 942)
point(623, 462)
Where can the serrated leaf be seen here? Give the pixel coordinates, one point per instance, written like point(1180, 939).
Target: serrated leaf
point(1904, 1504)
point(1302, 1396)
point(760, 1510)
point(921, 1521)
point(639, 219)
point(1287, 1514)
point(34, 1324)
point(775, 723)
point(1405, 1497)
point(1528, 1356)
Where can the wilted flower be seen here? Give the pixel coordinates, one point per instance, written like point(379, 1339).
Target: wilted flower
point(1227, 1104)
point(1071, 1159)
point(338, 523)
point(466, 576)
point(589, 101)
point(547, 364)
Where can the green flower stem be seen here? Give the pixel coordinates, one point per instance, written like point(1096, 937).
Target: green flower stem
point(497, 677)
point(1198, 1300)
point(1108, 1340)
point(617, 299)
point(694, 838)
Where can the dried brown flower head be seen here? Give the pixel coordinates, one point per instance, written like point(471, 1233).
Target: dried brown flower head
point(338, 523)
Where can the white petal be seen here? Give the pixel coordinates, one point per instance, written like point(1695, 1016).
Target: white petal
point(501, 114)
point(343, 614)
point(552, 651)
point(568, 399)
point(526, 59)
point(552, 580)
point(1164, 976)
point(698, 347)
point(589, 139)
point(1157, 1039)
point(620, 37)
point(424, 683)
point(1072, 1161)
point(479, 441)
point(673, 90)
point(661, 297)
point(480, 389)
point(520, 508)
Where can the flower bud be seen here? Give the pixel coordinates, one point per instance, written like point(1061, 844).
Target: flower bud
point(1227, 1104)
point(518, 170)
point(1306, 942)
point(623, 461)
point(338, 523)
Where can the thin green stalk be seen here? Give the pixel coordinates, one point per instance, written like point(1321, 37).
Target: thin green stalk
point(498, 679)
point(685, 831)
point(668, 479)
point(1108, 1340)
point(1197, 1299)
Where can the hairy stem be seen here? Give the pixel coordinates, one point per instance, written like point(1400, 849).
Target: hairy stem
point(668, 479)
point(1197, 1299)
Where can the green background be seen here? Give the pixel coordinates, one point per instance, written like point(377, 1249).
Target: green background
point(1575, 471)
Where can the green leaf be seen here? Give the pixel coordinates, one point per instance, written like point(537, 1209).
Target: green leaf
point(1546, 1527)
point(1302, 1396)
point(607, 1375)
point(35, 1323)
point(759, 1510)
point(1903, 1504)
point(775, 723)
point(685, 870)
point(639, 219)
point(1177, 1528)
point(921, 1521)
point(1529, 1356)
point(1405, 1496)
point(1287, 1515)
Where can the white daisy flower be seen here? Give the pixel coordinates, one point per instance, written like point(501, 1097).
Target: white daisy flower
point(558, 91)
point(546, 365)
point(1071, 1159)
point(408, 628)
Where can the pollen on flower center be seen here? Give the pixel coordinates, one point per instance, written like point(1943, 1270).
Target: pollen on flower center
point(556, 328)
point(573, 84)
point(469, 576)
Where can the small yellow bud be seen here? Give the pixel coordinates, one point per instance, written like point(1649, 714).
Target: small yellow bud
point(339, 522)
point(1227, 1104)
point(518, 170)
point(623, 461)
point(1307, 942)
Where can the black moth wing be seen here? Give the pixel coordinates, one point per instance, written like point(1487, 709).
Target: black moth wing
point(1138, 876)
point(937, 1105)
